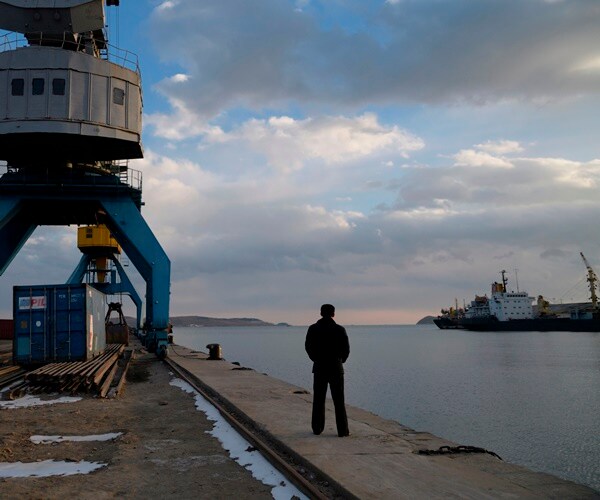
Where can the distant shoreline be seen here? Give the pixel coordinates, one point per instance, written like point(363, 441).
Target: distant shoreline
point(199, 321)
point(193, 321)
point(184, 321)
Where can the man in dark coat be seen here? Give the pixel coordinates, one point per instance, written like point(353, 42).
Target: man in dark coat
point(328, 347)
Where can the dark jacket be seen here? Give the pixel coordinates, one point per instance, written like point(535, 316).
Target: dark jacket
point(327, 345)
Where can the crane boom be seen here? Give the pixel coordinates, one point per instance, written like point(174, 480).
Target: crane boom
point(591, 279)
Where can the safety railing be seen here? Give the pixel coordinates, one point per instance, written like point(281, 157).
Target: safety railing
point(69, 41)
point(127, 175)
point(116, 173)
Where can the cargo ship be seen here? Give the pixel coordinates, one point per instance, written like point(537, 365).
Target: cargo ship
point(514, 311)
point(450, 318)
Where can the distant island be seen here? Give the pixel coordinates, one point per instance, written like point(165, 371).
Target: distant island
point(427, 320)
point(181, 321)
point(193, 321)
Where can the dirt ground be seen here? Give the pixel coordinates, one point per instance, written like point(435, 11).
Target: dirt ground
point(164, 451)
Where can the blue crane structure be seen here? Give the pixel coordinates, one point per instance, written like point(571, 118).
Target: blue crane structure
point(100, 265)
point(70, 119)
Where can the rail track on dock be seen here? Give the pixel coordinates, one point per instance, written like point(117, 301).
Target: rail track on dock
point(309, 481)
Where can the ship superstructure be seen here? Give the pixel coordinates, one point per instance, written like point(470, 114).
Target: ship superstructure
point(502, 305)
point(514, 311)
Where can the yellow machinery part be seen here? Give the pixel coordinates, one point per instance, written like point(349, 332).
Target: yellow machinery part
point(97, 240)
point(101, 268)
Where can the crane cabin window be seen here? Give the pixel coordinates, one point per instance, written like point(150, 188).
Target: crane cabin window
point(17, 86)
point(58, 86)
point(118, 96)
point(37, 86)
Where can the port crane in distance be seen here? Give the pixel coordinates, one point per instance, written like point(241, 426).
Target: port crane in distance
point(592, 279)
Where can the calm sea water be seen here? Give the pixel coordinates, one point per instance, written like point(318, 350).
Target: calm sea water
point(531, 397)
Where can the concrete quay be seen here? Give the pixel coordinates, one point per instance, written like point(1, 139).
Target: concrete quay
point(378, 460)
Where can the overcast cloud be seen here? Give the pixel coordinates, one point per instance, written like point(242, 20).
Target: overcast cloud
point(386, 156)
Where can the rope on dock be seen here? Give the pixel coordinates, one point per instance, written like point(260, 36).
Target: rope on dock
point(453, 450)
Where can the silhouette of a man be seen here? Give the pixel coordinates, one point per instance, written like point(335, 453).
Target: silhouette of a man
point(328, 347)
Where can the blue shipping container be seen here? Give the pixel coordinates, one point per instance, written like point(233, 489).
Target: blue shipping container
point(58, 323)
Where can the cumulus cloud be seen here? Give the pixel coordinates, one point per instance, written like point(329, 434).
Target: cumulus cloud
point(488, 154)
point(289, 143)
point(500, 147)
point(215, 224)
point(288, 182)
point(226, 235)
point(268, 55)
point(182, 123)
point(589, 64)
point(275, 245)
point(49, 257)
point(529, 182)
point(169, 4)
point(473, 158)
point(319, 92)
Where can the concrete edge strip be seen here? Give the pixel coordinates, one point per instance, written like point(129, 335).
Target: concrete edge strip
point(252, 430)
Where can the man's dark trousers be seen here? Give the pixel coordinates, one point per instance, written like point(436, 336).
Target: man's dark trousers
point(335, 379)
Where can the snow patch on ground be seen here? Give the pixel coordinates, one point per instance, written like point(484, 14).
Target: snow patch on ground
point(61, 439)
point(29, 400)
point(238, 448)
point(47, 468)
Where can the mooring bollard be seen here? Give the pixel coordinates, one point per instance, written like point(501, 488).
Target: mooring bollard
point(214, 351)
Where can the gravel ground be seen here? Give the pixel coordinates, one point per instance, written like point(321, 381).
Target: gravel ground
point(163, 452)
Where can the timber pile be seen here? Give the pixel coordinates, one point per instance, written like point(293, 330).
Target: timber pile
point(10, 374)
point(6, 355)
point(96, 375)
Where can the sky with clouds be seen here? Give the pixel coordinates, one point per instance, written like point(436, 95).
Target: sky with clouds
point(387, 156)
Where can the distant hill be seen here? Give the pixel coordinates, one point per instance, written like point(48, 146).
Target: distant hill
point(206, 321)
point(427, 320)
point(182, 321)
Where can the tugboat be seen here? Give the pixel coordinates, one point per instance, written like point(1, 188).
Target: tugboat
point(451, 318)
point(513, 311)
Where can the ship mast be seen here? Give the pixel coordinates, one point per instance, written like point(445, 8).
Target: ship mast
point(591, 279)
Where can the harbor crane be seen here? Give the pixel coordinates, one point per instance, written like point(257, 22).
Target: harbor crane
point(70, 121)
point(592, 279)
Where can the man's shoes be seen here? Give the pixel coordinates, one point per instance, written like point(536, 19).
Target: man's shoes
point(345, 434)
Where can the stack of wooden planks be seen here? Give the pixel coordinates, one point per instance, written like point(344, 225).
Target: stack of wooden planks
point(96, 375)
point(6, 354)
point(10, 374)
